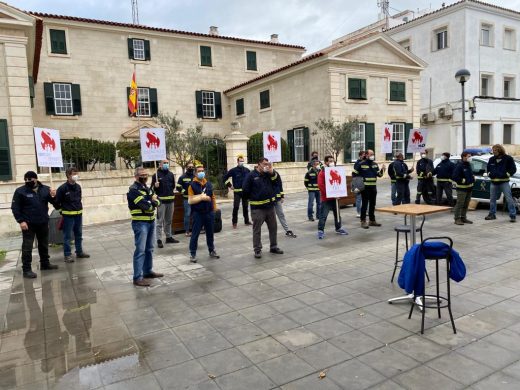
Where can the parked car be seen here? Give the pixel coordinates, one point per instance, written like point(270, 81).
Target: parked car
point(481, 189)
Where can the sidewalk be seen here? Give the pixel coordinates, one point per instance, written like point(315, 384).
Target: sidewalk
point(275, 323)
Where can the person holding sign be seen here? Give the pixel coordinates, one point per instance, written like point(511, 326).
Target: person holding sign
point(163, 184)
point(328, 204)
point(402, 180)
point(142, 204)
point(30, 207)
point(369, 171)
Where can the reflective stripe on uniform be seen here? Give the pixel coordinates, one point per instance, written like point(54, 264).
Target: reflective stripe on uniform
point(65, 212)
point(443, 179)
point(170, 197)
point(143, 218)
point(464, 185)
point(237, 190)
point(138, 199)
point(260, 202)
point(499, 180)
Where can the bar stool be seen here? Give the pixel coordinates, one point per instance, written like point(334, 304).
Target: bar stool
point(437, 301)
point(406, 229)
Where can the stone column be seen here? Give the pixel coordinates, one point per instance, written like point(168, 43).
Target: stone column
point(236, 144)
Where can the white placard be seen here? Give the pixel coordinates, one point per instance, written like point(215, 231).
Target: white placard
point(335, 182)
point(153, 144)
point(387, 134)
point(48, 147)
point(417, 140)
point(273, 146)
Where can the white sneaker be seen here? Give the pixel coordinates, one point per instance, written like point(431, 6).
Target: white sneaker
point(358, 216)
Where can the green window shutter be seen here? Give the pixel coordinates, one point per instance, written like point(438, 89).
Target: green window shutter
point(306, 143)
point(76, 99)
point(290, 144)
point(131, 48)
point(397, 91)
point(31, 90)
point(154, 106)
point(49, 98)
point(218, 105)
point(407, 128)
point(363, 88)
point(147, 53)
point(251, 60)
point(58, 41)
point(370, 136)
point(5, 158)
point(205, 56)
point(127, 96)
point(347, 151)
point(198, 103)
point(265, 99)
point(357, 89)
point(239, 105)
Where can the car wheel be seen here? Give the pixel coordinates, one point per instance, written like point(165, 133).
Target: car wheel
point(516, 198)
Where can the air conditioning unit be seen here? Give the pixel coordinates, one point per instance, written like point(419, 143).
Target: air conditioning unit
point(427, 118)
point(445, 112)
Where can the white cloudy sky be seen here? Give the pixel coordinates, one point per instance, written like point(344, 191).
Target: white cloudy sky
point(311, 23)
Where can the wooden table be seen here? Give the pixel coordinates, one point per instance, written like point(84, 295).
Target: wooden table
point(413, 210)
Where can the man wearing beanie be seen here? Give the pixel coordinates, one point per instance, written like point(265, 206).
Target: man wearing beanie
point(30, 208)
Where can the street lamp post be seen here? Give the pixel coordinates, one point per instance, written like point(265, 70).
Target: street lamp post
point(462, 76)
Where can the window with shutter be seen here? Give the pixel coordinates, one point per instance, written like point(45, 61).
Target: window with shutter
point(370, 136)
point(265, 100)
point(397, 91)
point(58, 41)
point(143, 102)
point(358, 142)
point(138, 46)
point(239, 105)
point(357, 89)
point(290, 144)
point(205, 56)
point(5, 158)
point(63, 99)
point(407, 128)
point(251, 60)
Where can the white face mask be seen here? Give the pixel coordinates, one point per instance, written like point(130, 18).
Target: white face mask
point(266, 169)
point(240, 163)
point(469, 159)
point(423, 156)
point(74, 178)
point(443, 158)
point(371, 158)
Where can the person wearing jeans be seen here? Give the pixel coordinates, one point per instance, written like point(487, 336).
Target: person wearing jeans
point(182, 186)
point(163, 184)
point(500, 168)
point(142, 205)
point(464, 179)
point(402, 177)
point(68, 199)
point(278, 207)
point(311, 183)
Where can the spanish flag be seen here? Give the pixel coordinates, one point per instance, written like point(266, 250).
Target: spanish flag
point(132, 98)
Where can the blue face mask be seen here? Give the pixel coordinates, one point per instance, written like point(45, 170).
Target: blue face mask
point(201, 175)
point(166, 166)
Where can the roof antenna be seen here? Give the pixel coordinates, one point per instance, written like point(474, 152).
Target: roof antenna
point(385, 11)
point(135, 12)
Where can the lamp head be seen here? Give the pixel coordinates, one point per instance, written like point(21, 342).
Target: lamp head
point(462, 76)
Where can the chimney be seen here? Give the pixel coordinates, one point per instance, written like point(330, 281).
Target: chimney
point(274, 38)
point(213, 30)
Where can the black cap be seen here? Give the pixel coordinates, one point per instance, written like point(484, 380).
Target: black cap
point(30, 175)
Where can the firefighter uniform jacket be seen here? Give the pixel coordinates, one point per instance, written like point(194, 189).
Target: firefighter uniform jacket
point(166, 187)
point(463, 176)
point(311, 180)
point(278, 185)
point(424, 167)
point(183, 184)
point(444, 170)
point(368, 170)
point(235, 177)
point(501, 168)
point(261, 189)
point(32, 206)
point(401, 171)
point(142, 207)
point(68, 199)
point(391, 172)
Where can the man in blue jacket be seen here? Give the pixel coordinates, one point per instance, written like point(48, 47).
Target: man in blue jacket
point(464, 178)
point(424, 179)
point(182, 187)
point(163, 184)
point(500, 168)
point(30, 208)
point(443, 172)
point(260, 188)
point(402, 178)
point(311, 183)
point(234, 179)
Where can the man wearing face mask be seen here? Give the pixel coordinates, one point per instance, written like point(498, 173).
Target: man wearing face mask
point(234, 178)
point(30, 207)
point(444, 171)
point(402, 180)
point(182, 187)
point(68, 199)
point(369, 171)
point(142, 204)
point(163, 184)
point(424, 179)
point(260, 187)
point(464, 178)
point(311, 183)
point(203, 206)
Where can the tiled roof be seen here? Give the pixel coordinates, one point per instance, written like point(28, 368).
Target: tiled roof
point(453, 5)
point(305, 59)
point(158, 29)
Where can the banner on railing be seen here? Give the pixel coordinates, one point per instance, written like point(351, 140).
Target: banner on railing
point(272, 146)
point(417, 140)
point(335, 182)
point(153, 144)
point(48, 147)
point(386, 138)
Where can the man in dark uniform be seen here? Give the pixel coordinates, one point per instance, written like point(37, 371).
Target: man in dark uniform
point(163, 184)
point(402, 178)
point(424, 179)
point(30, 208)
point(182, 187)
point(234, 178)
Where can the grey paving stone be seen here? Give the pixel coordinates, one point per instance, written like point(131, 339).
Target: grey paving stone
point(513, 370)
point(306, 315)
point(167, 356)
point(312, 297)
point(489, 354)
point(243, 334)
point(460, 368)
point(224, 362)
point(323, 355)
point(247, 378)
point(276, 324)
point(297, 338)
point(387, 385)
point(228, 321)
point(385, 332)
point(356, 343)
point(207, 344)
point(388, 361)
point(286, 304)
point(498, 381)
point(328, 328)
point(333, 307)
point(259, 312)
point(145, 381)
point(505, 338)
point(264, 349)
point(425, 378)
point(285, 368)
point(358, 318)
point(443, 335)
point(354, 374)
point(312, 382)
point(419, 348)
point(181, 376)
point(193, 330)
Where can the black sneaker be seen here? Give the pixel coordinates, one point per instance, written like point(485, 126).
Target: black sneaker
point(248, 223)
point(82, 255)
point(258, 254)
point(512, 219)
point(417, 201)
point(290, 234)
point(171, 240)
point(490, 217)
point(160, 244)
point(29, 274)
point(311, 219)
point(276, 251)
point(213, 255)
point(48, 266)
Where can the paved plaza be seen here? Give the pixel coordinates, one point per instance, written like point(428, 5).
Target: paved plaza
point(316, 317)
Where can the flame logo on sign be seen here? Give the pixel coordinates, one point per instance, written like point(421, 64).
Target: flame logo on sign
point(387, 134)
point(335, 178)
point(152, 140)
point(272, 144)
point(48, 143)
point(417, 138)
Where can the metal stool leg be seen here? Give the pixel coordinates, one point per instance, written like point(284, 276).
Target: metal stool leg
point(437, 287)
point(423, 309)
point(449, 295)
point(396, 257)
